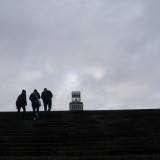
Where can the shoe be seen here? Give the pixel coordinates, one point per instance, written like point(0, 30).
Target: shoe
point(34, 119)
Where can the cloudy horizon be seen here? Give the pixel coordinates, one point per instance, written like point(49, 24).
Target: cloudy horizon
point(108, 50)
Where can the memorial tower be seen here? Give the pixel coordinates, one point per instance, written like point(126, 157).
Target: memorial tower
point(76, 104)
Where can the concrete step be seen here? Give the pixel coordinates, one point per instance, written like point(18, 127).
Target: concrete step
point(114, 135)
point(119, 157)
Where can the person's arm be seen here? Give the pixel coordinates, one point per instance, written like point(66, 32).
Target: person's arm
point(51, 94)
point(25, 99)
point(30, 97)
point(38, 95)
point(42, 95)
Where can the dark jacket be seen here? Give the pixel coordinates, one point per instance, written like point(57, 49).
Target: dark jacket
point(21, 100)
point(46, 96)
point(34, 97)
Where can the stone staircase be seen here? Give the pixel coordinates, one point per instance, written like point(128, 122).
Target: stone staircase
point(82, 135)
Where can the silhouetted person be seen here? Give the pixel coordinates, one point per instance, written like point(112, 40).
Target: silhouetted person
point(21, 103)
point(47, 100)
point(34, 97)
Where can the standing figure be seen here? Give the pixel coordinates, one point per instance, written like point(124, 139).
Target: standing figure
point(47, 100)
point(34, 97)
point(21, 103)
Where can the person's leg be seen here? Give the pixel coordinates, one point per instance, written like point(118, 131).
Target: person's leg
point(18, 112)
point(49, 106)
point(45, 107)
point(37, 111)
point(24, 111)
point(45, 110)
point(34, 111)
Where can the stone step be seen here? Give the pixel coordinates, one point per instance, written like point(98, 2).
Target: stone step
point(79, 152)
point(77, 148)
point(119, 157)
point(121, 135)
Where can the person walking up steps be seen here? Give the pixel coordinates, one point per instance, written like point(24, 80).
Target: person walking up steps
point(21, 102)
point(35, 99)
point(47, 101)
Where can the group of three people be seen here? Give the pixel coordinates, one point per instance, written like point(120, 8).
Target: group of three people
point(35, 101)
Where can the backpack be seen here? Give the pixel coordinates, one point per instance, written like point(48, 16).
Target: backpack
point(19, 101)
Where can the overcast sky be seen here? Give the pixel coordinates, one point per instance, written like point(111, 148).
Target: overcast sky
point(107, 49)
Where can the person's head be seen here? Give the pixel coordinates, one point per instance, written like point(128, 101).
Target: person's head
point(45, 89)
point(23, 91)
point(35, 90)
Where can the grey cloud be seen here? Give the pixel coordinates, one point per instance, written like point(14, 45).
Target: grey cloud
point(107, 49)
